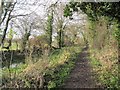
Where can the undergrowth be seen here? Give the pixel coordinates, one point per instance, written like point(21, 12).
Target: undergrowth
point(47, 72)
point(65, 62)
point(106, 67)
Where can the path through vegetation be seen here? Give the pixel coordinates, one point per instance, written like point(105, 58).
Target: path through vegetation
point(82, 76)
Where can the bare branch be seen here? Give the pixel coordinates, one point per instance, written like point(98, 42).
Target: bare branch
point(14, 16)
point(7, 23)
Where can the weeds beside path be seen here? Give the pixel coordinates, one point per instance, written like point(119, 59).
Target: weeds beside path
point(82, 75)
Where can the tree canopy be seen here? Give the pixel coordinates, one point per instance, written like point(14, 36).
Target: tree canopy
point(96, 9)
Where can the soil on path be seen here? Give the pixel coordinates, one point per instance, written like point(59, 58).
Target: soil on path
point(82, 75)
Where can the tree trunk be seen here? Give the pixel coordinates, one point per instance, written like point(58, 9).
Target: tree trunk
point(50, 28)
point(60, 38)
point(60, 34)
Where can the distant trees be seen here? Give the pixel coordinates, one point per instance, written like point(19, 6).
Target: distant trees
point(60, 23)
point(56, 23)
point(26, 25)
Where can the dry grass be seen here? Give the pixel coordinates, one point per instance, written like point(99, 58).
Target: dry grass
point(108, 68)
point(108, 57)
point(36, 68)
point(33, 74)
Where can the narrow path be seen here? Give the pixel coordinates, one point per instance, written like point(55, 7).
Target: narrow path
point(82, 75)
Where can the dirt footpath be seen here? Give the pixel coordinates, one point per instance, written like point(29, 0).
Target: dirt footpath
point(82, 76)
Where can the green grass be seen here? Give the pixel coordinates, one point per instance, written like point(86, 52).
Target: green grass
point(5, 72)
point(61, 75)
point(95, 63)
point(62, 70)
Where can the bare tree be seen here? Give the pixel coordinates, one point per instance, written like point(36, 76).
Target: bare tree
point(60, 23)
point(7, 15)
point(11, 9)
point(26, 25)
point(50, 21)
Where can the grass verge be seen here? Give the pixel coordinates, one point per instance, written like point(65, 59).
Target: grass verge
point(65, 62)
point(106, 70)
